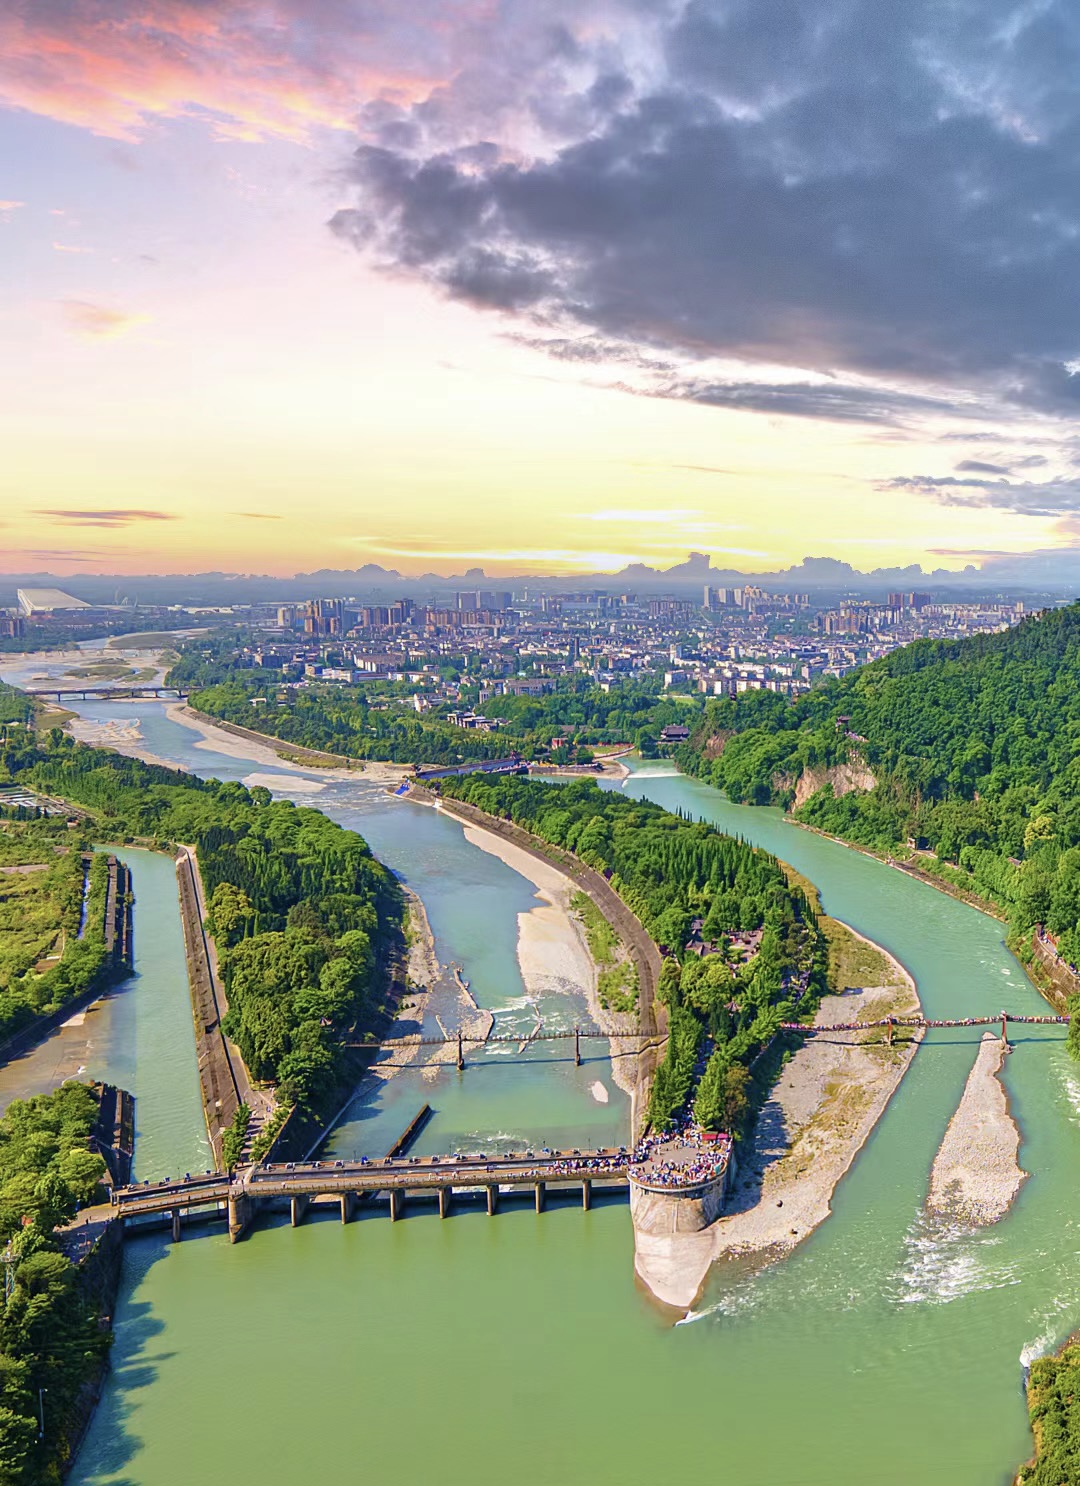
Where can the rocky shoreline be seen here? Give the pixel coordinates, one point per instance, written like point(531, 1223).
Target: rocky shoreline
point(976, 1174)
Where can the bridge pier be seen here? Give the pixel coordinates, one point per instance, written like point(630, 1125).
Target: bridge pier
point(492, 1200)
point(348, 1204)
point(298, 1207)
point(397, 1203)
point(541, 1196)
point(460, 1052)
point(577, 1047)
point(444, 1202)
point(586, 1193)
point(1004, 1029)
point(176, 1225)
point(241, 1212)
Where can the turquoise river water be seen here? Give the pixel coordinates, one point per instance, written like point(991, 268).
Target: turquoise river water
point(521, 1348)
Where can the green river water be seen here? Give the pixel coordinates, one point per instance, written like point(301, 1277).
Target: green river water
point(521, 1349)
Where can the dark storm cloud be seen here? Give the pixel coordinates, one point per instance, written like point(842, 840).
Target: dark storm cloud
point(1053, 498)
point(981, 467)
point(838, 402)
point(835, 185)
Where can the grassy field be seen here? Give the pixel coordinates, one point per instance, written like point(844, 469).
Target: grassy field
point(37, 910)
point(617, 983)
point(115, 670)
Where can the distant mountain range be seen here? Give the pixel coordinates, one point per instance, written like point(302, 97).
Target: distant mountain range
point(1055, 572)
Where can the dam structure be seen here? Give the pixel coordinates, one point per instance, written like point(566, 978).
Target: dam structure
point(340, 1184)
point(666, 1175)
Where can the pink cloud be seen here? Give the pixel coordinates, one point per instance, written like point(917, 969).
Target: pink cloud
point(281, 69)
point(258, 69)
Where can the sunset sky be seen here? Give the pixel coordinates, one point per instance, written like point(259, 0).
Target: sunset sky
point(540, 285)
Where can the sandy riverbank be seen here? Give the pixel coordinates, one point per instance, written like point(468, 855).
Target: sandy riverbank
point(824, 1105)
point(122, 736)
point(233, 745)
point(553, 953)
point(976, 1173)
point(609, 769)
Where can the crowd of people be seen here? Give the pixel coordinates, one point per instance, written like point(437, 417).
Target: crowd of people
point(685, 1157)
point(918, 1021)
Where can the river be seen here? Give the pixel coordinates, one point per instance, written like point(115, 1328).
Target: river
point(521, 1347)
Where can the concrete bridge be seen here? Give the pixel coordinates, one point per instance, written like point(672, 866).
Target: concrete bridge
point(106, 693)
point(341, 1184)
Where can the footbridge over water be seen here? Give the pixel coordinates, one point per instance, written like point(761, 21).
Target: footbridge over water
point(461, 1040)
point(890, 1023)
point(242, 1195)
point(343, 1183)
point(107, 693)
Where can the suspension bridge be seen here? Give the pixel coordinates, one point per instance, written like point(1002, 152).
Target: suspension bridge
point(462, 1040)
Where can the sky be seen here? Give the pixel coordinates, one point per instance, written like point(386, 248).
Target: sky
point(538, 285)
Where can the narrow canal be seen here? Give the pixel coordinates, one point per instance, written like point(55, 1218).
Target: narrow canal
point(521, 1347)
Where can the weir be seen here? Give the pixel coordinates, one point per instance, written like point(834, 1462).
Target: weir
point(241, 1196)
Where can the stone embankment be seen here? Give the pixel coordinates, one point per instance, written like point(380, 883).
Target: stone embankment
point(1053, 976)
point(976, 1173)
point(224, 1085)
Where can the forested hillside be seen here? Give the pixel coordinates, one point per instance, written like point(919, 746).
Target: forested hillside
point(767, 955)
point(975, 749)
point(300, 909)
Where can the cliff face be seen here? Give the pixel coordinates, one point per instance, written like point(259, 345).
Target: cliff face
point(843, 778)
point(715, 743)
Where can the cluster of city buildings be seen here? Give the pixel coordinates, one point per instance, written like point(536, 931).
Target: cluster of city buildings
point(498, 642)
point(736, 640)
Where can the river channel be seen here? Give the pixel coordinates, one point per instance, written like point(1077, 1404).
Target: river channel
point(521, 1348)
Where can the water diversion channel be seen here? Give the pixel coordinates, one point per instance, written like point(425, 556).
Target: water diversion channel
point(520, 1347)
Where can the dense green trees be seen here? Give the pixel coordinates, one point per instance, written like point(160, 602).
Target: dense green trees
point(974, 748)
point(1054, 1405)
point(376, 719)
point(671, 872)
point(50, 1336)
point(300, 909)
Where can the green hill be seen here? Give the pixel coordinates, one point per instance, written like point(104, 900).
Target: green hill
point(972, 748)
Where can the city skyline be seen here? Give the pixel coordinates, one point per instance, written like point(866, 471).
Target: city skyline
point(300, 287)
